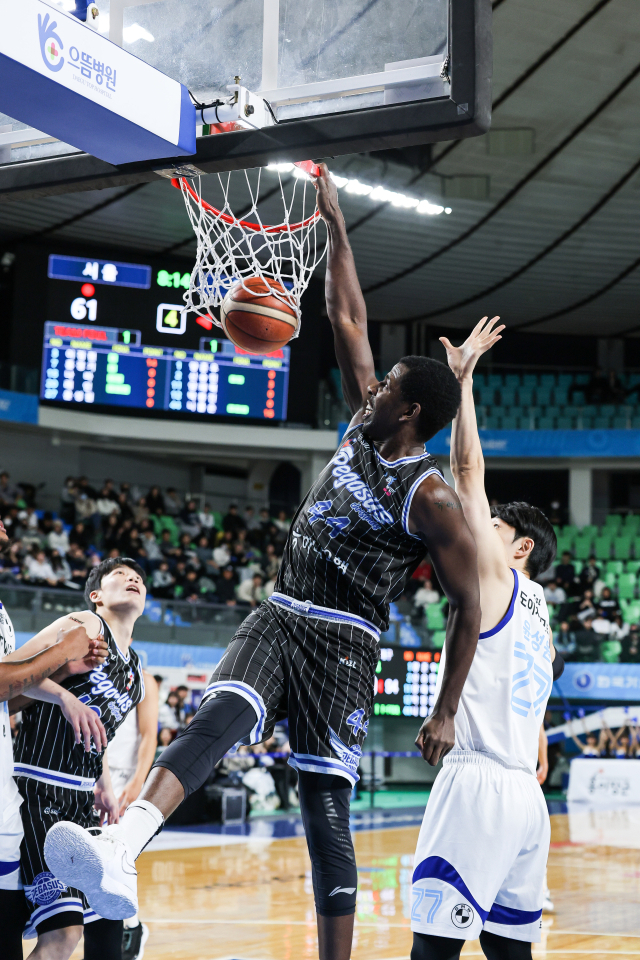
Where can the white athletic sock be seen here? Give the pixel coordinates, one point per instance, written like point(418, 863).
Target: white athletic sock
point(132, 922)
point(139, 824)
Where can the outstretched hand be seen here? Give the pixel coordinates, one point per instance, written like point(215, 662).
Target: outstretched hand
point(463, 359)
point(327, 196)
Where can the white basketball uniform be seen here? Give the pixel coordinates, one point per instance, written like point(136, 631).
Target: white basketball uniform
point(122, 753)
point(10, 799)
point(483, 845)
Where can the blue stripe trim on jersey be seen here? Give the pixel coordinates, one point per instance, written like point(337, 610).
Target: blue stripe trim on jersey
point(407, 503)
point(248, 693)
point(313, 764)
point(396, 463)
point(307, 609)
point(511, 917)
point(439, 869)
point(508, 614)
point(54, 777)
point(8, 866)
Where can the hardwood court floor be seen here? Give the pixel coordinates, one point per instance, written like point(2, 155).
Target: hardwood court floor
point(253, 900)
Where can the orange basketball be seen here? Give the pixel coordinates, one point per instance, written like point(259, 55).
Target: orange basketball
point(254, 319)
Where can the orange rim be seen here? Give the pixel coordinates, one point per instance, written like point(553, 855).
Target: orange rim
point(307, 165)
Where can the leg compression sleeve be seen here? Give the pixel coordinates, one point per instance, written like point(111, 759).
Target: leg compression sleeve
point(501, 948)
point(428, 947)
point(217, 726)
point(324, 805)
point(14, 914)
point(103, 940)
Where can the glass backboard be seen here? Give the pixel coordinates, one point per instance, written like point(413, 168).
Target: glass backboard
point(313, 61)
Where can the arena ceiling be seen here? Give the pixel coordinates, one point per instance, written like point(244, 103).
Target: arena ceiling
point(545, 208)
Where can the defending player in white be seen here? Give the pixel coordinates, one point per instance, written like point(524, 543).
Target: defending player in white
point(482, 851)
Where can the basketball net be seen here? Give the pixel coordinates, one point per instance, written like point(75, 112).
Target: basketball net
point(232, 249)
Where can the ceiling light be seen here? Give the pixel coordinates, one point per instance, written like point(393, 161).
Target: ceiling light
point(136, 32)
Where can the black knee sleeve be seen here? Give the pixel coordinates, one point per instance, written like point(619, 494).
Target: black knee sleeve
point(220, 723)
point(103, 940)
point(14, 913)
point(427, 947)
point(324, 805)
point(501, 948)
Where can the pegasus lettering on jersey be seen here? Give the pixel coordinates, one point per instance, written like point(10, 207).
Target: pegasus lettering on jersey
point(349, 546)
point(103, 686)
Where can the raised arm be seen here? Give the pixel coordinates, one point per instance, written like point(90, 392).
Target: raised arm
point(345, 304)
point(436, 516)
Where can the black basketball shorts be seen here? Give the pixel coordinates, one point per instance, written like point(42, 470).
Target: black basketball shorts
point(310, 664)
point(45, 804)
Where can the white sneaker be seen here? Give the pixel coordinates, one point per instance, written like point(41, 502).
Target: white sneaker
point(96, 862)
point(547, 905)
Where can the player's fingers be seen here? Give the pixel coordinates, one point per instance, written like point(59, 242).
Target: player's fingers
point(446, 343)
point(86, 733)
point(75, 723)
point(100, 734)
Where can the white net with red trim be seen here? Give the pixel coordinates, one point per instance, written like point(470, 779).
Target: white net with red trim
point(232, 248)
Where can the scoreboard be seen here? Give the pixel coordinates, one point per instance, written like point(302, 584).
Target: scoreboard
point(406, 682)
point(107, 365)
point(118, 335)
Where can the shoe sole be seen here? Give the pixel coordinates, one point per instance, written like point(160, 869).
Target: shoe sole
point(145, 937)
point(71, 857)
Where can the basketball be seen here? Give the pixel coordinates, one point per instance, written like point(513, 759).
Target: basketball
point(254, 319)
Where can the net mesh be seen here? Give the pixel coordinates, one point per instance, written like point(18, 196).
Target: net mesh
point(232, 248)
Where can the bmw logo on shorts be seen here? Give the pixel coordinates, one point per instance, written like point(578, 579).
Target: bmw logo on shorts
point(462, 915)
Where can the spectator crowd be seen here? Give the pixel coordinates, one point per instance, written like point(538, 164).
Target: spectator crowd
point(187, 550)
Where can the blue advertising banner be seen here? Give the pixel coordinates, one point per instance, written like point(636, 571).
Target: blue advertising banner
point(598, 681)
point(543, 443)
point(21, 407)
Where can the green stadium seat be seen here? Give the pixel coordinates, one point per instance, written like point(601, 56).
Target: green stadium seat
point(487, 396)
point(565, 379)
point(589, 529)
point(614, 566)
point(578, 565)
point(608, 410)
point(517, 411)
point(512, 380)
point(439, 638)
point(611, 650)
point(565, 545)
point(525, 396)
point(635, 423)
point(479, 379)
point(543, 396)
point(552, 411)
point(583, 547)
point(570, 411)
point(499, 411)
point(620, 423)
point(578, 398)
point(561, 396)
point(507, 397)
point(622, 548)
point(581, 379)
point(217, 519)
point(508, 423)
point(546, 423)
point(565, 423)
point(602, 548)
point(548, 380)
point(613, 521)
point(491, 423)
point(589, 410)
point(632, 566)
point(435, 617)
point(609, 580)
point(631, 523)
point(524, 423)
point(570, 530)
point(530, 380)
point(602, 423)
point(494, 380)
point(627, 586)
point(584, 423)
point(631, 612)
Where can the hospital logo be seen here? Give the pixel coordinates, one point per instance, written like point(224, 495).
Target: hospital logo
point(462, 915)
point(45, 889)
point(583, 681)
point(51, 45)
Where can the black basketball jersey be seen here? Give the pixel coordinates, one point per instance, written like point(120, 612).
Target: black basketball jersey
point(349, 547)
point(47, 741)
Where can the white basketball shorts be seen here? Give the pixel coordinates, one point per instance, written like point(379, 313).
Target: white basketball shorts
point(482, 852)
point(10, 839)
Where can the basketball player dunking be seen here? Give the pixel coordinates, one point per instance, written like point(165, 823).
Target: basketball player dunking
point(482, 851)
point(310, 651)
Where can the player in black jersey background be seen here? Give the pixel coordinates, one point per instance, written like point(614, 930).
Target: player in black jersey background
point(60, 780)
point(310, 651)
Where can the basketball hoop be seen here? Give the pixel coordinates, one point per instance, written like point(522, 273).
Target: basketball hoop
point(233, 248)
